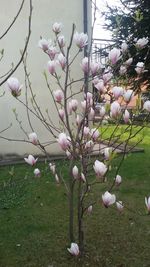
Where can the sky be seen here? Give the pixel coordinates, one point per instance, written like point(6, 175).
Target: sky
point(99, 32)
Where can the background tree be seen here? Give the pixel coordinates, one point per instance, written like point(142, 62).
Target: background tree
point(129, 22)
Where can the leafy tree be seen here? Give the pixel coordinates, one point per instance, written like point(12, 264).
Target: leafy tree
point(129, 22)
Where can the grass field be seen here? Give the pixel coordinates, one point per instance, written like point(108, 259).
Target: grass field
point(34, 218)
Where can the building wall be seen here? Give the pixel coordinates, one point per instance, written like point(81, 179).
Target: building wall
point(45, 13)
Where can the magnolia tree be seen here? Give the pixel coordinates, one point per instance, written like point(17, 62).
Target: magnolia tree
point(74, 102)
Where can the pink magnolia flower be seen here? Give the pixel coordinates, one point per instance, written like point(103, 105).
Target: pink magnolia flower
point(95, 134)
point(119, 206)
point(74, 249)
point(14, 86)
point(89, 99)
point(114, 55)
point(80, 39)
point(100, 86)
point(126, 116)
point(89, 145)
point(52, 167)
point(108, 199)
point(129, 61)
point(141, 43)
point(99, 168)
point(84, 105)
point(61, 41)
point(63, 141)
point(107, 152)
point(124, 47)
point(61, 114)
point(147, 203)
point(51, 66)
point(107, 77)
point(86, 131)
point(122, 70)
point(33, 138)
point(37, 172)
point(91, 114)
point(128, 95)
point(139, 68)
point(73, 105)
point(58, 95)
point(118, 180)
point(117, 91)
point(115, 109)
point(95, 66)
point(57, 27)
point(78, 120)
point(62, 61)
point(75, 172)
point(31, 160)
point(85, 65)
point(44, 44)
point(147, 105)
point(52, 52)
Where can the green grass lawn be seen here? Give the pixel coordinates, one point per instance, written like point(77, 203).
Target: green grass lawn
point(34, 218)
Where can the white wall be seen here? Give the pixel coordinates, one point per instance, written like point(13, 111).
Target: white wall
point(45, 13)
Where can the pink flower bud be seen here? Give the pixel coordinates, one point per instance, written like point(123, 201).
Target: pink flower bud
point(52, 167)
point(95, 134)
point(99, 168)
point(63, 141)
point(61, 114)
point(114, 55)
point(128, 95)
point(78, 120)
point(74, 104)
point(95, 67)
point(33, 138)
point(119, 206)
point(83, 105)
point(147, 105)
point(51, 66)
point(14, 86)
point(58, 95)
point(107, 152)
point(74, 249)
point(129, 61)
point(122, 70)
point(57, 178)
point(115, 109)
point(126, 116)
point(107, 77)
point(52, 52)
point(37, 173)
point(124, 47)
point(118, 180)
point(91, 114)
point(43, 44)
point(147, 203)
point(89, 145)
point(80, 39)
point(86, 131)
point(57, 27)
point(108, 199)
point(117, 91)
point(61, 41)
point(31, 160)
point(141, 43)
point(85, 65)
point(100, 86)
point(83, 177)
point(90, 209)
point(139, 68)
point(62, 61)
point(75, 172)
point(68, 154)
